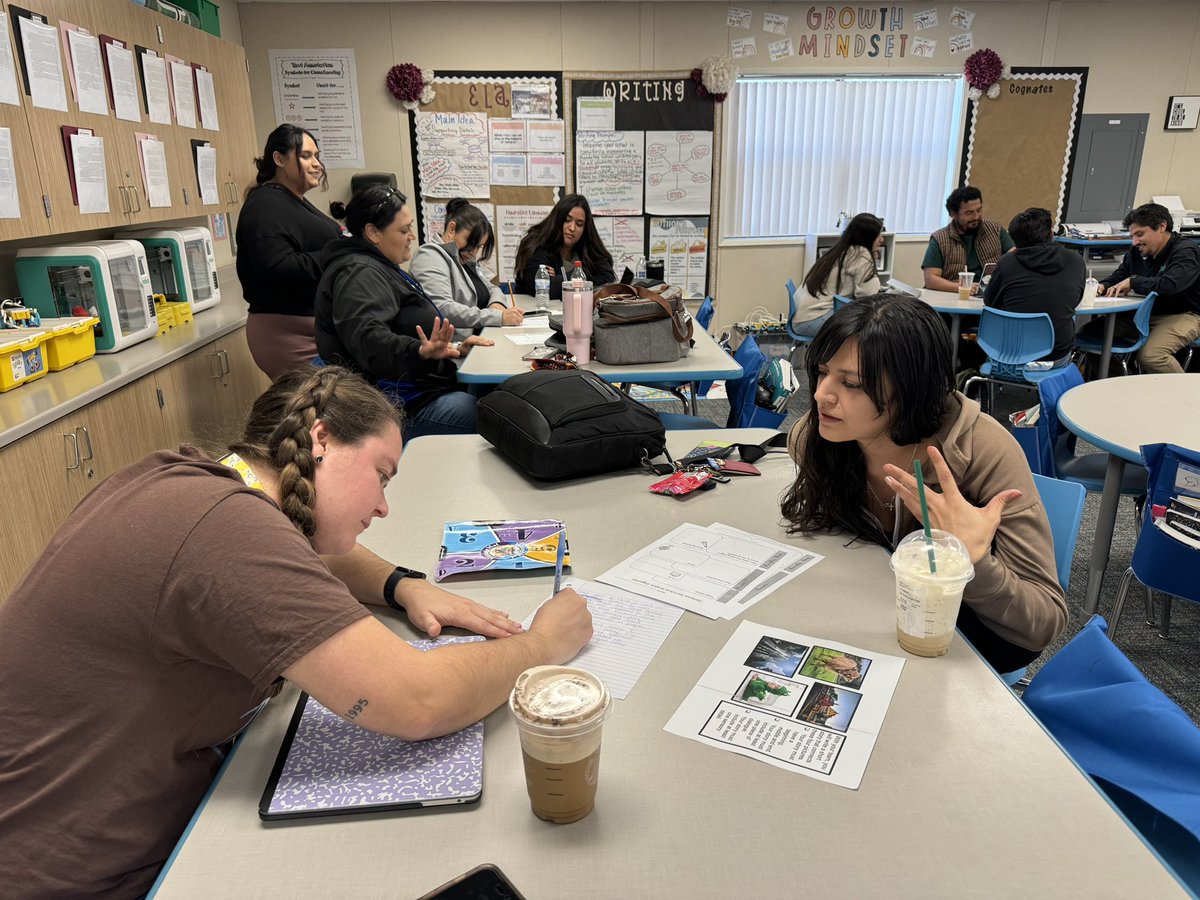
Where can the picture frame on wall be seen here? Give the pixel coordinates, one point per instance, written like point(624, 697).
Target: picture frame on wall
point(1183, 114)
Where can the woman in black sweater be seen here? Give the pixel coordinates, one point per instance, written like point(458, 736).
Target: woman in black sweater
point(374, 318)
point(566, 235)
point(280, 236)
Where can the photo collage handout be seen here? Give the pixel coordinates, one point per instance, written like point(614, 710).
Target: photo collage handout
point(797, 702)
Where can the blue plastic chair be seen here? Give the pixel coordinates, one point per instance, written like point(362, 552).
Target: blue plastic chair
point(703, 318)
point(743, 411)
point(1012, 341)
point(1141, 749)
point(840, 302)
point(1160, 562)
point(798, 340)
point(1124, 350)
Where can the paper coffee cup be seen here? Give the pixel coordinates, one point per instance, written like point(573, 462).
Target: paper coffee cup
point(927, 602)
point(560, 712)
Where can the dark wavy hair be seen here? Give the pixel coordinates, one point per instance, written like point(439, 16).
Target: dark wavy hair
point(468, 217)
point(373, 204)
point(547, 234)
point(285, 139)
point(905, 369)
point(861, 231)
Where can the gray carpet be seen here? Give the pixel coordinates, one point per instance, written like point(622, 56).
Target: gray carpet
point(1171, 663)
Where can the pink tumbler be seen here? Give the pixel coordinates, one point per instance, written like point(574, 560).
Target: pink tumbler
point(577, 320)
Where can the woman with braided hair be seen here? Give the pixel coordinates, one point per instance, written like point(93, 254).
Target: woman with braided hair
point(179, 595)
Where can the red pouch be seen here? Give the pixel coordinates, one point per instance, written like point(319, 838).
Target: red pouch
point(681, 483)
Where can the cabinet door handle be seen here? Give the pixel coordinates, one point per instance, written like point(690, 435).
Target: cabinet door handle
point(87, 441)
point(125, 205)
point(71, 445)
point(214, 364)
point(136, 194)
point(224, 354)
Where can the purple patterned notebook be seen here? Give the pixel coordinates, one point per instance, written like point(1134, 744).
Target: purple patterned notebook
point(328, 766)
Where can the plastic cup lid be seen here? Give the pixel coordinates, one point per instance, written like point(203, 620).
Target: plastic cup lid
point(559, 697)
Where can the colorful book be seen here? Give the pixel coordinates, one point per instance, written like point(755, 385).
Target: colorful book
point(478, 546)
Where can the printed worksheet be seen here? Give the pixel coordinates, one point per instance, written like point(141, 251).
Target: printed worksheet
point(627, 631)
point(800, 703)
point(717, 571)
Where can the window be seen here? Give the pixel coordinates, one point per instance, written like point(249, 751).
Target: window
point(806, 150)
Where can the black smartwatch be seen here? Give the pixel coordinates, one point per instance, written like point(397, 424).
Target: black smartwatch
point(389, 586)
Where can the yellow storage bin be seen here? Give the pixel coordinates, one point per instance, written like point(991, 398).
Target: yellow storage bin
point(181, 308)
point(69, 341)
point(166, 318)
point(21, 357)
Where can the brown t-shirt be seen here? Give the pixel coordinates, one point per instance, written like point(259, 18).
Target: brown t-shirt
point(142, 640)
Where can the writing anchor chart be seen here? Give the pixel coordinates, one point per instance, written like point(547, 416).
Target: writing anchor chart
point(678, 172)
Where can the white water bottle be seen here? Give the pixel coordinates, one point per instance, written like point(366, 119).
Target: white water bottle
point(1090, 288)
point(640, 271)
point(541, 288)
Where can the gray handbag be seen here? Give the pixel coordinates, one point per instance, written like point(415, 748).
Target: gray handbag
point(635, 326)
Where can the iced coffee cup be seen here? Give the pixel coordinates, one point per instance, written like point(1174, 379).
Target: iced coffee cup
point(927, 601)
point(965, 282)
point(560, 712)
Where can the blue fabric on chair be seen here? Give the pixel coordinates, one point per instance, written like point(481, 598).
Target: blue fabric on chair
point(1124, 350)
point(1159, 561)
point(1138, 745)
point(743, 411)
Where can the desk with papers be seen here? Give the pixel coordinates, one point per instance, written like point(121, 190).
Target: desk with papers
point(964, 793)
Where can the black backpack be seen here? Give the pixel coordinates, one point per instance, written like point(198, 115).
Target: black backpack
point(568, 423)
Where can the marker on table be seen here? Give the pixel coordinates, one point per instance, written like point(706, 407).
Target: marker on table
point(558, 560)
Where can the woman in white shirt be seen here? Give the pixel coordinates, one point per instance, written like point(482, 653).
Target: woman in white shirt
point(449, 272)
point(847, 268)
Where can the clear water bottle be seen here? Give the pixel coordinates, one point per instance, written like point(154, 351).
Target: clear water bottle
point(541, 288)
point(578, 277)
point(640, 272)
point(1090, 288)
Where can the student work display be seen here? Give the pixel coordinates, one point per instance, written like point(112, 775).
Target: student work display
point(497, 140)
point(642, 151)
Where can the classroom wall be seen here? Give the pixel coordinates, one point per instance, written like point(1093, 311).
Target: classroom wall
point(615, 37)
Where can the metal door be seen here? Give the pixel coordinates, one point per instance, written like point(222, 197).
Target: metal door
point(1106, 166)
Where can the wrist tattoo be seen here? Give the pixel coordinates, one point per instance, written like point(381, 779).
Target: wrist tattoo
point(357, 708)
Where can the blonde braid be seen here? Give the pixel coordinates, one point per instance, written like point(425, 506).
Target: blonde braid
point(291, 448)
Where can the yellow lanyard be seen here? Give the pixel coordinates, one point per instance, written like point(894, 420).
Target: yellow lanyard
point(240, 466)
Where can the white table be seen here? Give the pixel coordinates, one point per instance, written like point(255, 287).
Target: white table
point(965, 794)
point(1119, 415)
point(948, 302)
point(706, 362)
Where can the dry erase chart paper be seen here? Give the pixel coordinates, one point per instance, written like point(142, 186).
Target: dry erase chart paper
point(624, 236)
point(452, 154)
point(627, 632)
point(91, 180)
point(47, 89)
point(800, 703)
point(319, 90)
point(10, 200)
point(154, 73)
point(124, 82)
point(9, 92)
point(678, 172)
point(608, 170)
point(208, 100)
point(511, 224)
point(87, 72)
point(183, 93)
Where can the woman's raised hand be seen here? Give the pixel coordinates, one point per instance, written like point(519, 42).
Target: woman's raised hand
point(440, 342)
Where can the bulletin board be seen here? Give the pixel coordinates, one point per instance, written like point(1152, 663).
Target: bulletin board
point(650, 170)
point(1019, 149)
point(467, 143)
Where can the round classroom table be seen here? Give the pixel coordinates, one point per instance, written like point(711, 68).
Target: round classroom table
point(1119, 415)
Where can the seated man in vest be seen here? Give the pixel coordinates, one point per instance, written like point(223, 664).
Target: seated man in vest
point(1040, 276)
point(968, 243)
point(1159, 260)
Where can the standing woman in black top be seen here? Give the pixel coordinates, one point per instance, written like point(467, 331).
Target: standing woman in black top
point(566, 235)
point(280, 236)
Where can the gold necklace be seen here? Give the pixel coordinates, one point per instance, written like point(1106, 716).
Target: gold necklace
point(890, 506)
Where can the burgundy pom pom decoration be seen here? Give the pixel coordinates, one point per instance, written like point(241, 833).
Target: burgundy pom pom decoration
point(409, 84)
point(983, 71)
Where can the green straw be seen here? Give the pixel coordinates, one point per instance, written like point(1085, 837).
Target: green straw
point(925, 516)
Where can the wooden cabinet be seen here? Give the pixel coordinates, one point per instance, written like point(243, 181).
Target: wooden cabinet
point(43, 476)
point(207, 394)
point(44, 181)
